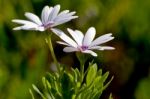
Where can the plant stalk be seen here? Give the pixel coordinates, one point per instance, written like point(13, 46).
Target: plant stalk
point(49, 41)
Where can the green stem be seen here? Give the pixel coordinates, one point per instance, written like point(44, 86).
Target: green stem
point(82, 71)
point(81, 57)
point(49, 41)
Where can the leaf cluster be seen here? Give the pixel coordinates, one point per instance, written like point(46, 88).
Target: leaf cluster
point(67, 84)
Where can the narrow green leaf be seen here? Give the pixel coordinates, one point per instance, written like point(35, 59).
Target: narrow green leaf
point(73, 96)
point(32, 95)
point(97, 82)
point(48, 84)
point(38, 91)
point(44, 82)
point(106, 85)
point(91, 74)
point(78, 84)
point(78, 73)
point(110, 96)
point(67, 86)
point(86, 94)
point(104, 77)
point(99, 73)
point(75, 75)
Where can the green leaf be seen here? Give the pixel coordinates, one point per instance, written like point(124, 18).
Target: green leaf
point(99, 73)
point(97, 82)
point(110, 96)
point(104, 77)
point(32, 95)
point(38, 91)
point(91, 74)
point(86, 94)
point(44, 82)
point(106, 85)
point(78, 74)
point(67, 86)
point(48, 85)
point(75, 75)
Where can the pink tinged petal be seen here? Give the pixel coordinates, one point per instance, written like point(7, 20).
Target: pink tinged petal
point(27, 25)
point(102, 39)
point(70, 49)
point(65, 18)
point(89, 36)
point(57, 31)
point(64, 37)
point(61, 21)
point(54, 13)
point(41, 28)
point(75, 36)
point(33, 18)
point(106, 48)
point(71, 13)
point(80, 35)
point(45, 14)
point(22, 21)
point(62, 43)
point(94, 47)
point(90, 52)
point(63, 13)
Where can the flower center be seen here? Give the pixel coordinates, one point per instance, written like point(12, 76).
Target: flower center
point(83, 48)
point(48, 24)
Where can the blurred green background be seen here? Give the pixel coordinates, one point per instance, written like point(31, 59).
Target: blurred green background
point(25, 58)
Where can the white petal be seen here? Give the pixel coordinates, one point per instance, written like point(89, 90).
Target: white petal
point(62, 13)
point(54, 13)
point(94, 47)
point(22, 21)
point(27, 27)
point(17, 28)
point(33, 18)
point(41, 28)
point(45, 14)
point(61, 21)
point(80, 35)
point(63, 43)
point(106, 48)
point(71, 13)
point(65, 18)
point(57, 31)
point(89, 36)
point(75, 36)
point(102, 39)
point(90, 52)
point(70, 49)
point(64, 37)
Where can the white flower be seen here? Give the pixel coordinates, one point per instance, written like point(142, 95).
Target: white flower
point(83, 43)
point(50, 17)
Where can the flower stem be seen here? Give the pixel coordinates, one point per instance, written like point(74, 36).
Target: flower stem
point(49, 41)
point(82, 71)
point(81, 57)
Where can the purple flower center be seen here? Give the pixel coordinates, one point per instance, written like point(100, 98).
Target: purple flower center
point(47, 25)
point(83, 48)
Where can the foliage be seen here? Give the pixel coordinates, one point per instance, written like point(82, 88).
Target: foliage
point(67, 85)
point(24, 56)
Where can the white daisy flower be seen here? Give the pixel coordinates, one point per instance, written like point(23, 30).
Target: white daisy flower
point(83, 43)
point(50, 17)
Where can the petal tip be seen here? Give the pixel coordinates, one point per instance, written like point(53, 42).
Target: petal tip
point(17, 28)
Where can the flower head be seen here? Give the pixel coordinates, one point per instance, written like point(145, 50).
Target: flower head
point(83, 43)
point(50, 17)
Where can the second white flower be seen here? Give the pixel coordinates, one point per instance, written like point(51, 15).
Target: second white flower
point(83, 43)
